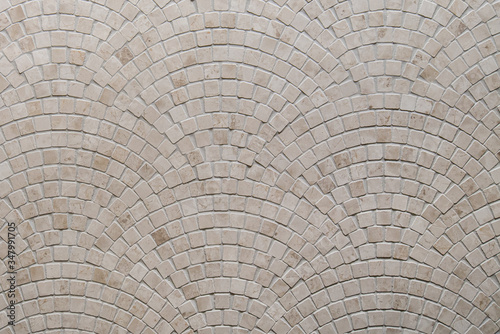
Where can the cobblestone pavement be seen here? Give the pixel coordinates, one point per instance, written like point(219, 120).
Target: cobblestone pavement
point(233, 166)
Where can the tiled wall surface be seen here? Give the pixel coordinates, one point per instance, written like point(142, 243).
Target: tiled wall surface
point(233, 166)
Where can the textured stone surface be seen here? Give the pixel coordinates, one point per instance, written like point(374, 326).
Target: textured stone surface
point(234, 166)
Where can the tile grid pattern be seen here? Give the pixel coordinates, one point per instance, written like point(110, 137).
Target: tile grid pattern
point(234, 166)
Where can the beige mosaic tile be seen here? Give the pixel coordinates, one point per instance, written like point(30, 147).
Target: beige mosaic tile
point(234, 166)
